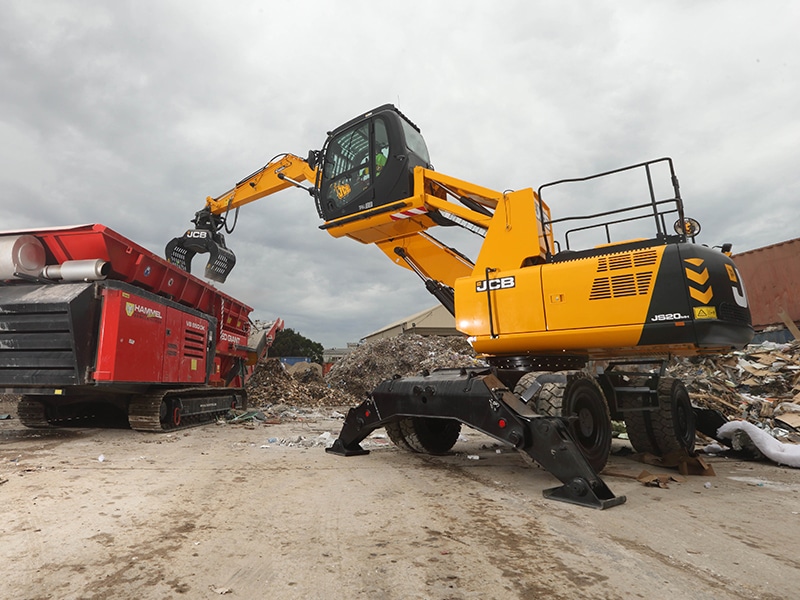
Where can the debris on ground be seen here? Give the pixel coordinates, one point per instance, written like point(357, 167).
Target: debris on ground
point(361, 370)
point(749, 384)
point(685, 463)
point(660, 480)
point(271, 385)
point(758, 386)
point(276, 392)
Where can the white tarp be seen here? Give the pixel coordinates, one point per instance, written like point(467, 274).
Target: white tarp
point(776, 451)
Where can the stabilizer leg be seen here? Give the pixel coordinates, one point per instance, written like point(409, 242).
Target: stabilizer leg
point(552, 446)
point(358, 424)
point(478, 399)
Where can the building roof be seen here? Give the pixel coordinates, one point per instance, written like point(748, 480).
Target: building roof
point(435, 320)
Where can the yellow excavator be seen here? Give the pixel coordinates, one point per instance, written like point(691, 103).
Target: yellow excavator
point(574, 335)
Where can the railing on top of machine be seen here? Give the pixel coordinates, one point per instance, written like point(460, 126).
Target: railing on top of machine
point(656, 208)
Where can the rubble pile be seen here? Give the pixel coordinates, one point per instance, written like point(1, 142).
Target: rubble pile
point(361, 370)
point(270, 384)
point(760, 384)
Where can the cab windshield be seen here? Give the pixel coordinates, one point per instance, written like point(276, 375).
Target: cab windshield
point(415, 141)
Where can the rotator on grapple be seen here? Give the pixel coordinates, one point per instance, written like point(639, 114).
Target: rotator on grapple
point(204, 238)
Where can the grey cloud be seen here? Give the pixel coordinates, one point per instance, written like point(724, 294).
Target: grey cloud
point(130, 114)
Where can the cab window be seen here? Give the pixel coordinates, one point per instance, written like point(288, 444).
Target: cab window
point(415, 142)
point(347, 154)
point(381, 146)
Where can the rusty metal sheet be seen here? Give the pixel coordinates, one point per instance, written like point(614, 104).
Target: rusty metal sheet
point(772, 279)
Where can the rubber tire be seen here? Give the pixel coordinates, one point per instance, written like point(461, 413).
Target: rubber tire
point(670, 428)
point(424, 435)
point(395, 433)
point(579, 396)
point(526, 381)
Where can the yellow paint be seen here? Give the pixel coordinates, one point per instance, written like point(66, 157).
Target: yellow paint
point(699, 278)
point(703, 297)
point(263, 183)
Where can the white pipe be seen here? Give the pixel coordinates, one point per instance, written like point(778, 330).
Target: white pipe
point(20, 254)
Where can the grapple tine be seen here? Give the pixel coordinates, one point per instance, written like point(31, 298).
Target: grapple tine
point(179, 255)
point(180, 251)
point(220, 263)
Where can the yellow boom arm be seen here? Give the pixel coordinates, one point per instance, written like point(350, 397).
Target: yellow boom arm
point(283, 172)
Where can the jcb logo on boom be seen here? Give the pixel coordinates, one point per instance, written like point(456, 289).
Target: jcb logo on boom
point(193, 233)
point(503, 283)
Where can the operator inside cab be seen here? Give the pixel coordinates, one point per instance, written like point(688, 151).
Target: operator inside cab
point(370, 161)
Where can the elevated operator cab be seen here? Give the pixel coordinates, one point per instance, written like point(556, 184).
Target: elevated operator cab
point(368, 162)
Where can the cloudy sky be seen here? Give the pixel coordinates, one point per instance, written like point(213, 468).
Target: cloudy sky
point(130, 113)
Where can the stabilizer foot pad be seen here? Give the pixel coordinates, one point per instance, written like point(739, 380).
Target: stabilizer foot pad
point(339, 449)
point(578, 491)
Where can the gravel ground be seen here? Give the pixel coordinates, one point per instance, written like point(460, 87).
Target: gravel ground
point(261, 511)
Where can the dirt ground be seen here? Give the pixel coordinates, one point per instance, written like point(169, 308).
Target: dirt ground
point(261, 511)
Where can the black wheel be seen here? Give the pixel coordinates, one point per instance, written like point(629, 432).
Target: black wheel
point(576, 395)
point(591, 426)
point(670, 427)
point(425, 435)
point(550, 399)
point(395, 433)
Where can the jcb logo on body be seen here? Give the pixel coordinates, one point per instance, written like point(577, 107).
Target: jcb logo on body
point(193, 233)
point(502, 283)
point(737, 285)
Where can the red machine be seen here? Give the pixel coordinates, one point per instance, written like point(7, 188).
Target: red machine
point(91, 321)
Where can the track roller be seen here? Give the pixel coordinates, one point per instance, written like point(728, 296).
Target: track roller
point(178, 409)
point(32, 413)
